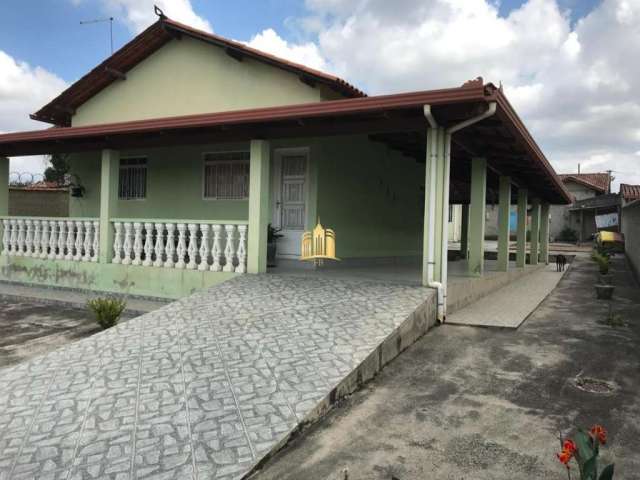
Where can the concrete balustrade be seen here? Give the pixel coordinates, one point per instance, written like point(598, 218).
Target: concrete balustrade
point(181, 244)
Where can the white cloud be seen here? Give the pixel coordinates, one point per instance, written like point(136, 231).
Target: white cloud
point(23, 90)
point(307, 53)
point(139, 14)
point(574, 85)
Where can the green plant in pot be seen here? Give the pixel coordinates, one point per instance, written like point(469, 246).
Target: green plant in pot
point(272, 246)
point(602, 259)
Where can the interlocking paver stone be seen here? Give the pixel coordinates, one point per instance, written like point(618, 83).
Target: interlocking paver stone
point(202, 388)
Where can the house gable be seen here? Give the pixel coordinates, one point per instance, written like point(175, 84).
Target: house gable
point(188, 76)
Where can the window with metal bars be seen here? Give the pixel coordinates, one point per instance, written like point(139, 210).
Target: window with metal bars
point(132, 181)
point(226, 175)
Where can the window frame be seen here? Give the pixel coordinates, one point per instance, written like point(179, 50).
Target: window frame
point(146, 178)
point(206, 162)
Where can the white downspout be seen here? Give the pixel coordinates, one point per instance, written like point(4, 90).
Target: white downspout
point(432, 215)
point(442, 286)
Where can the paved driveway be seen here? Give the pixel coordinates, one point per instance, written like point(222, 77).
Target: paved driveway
point(487, 404)
point(201, 388)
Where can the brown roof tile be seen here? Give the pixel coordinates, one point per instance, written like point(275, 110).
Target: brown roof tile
point(629, 192)
point(596, 181)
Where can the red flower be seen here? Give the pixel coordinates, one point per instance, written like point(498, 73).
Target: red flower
point(598, 432)
point(564, 457)
point(569, 446)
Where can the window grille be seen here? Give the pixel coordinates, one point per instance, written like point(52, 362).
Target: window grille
point(132, 181)
point(226, 175)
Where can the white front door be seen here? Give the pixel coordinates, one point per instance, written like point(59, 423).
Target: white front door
point(290, 209)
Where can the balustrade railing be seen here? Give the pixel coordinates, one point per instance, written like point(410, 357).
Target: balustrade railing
point(202, 245)
point(75, 239)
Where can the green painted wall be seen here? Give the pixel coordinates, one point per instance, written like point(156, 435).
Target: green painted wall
point(189, 76)
point(134, 280)
point(370, 195)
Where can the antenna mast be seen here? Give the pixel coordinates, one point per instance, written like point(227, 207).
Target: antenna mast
point(102, 20)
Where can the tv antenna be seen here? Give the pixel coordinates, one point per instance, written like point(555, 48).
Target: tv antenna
point(102, 20)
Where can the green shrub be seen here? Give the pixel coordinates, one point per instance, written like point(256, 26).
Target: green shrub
point(107, 310)
point(568, 234)
point(602, 261)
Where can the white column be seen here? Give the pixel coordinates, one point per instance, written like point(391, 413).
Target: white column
point(127, 244)
point(242, 249)
point(170, 247)
point(6, 236)
point(44, 239)
point(181, 249)
point(88, 241)
point(13, 242)
point(117, 242)
point(137, 244)
point(79, 243)
point(158, 247)
point(70, 240)
point(53, 239)
point(148, 244)
point(204, 247)
point(36, 239)
point(216, 249)
point(96, 241)
point(62, 239)
point(28, 237)
point(192, 249)
point(229, 249)
point(21, 236)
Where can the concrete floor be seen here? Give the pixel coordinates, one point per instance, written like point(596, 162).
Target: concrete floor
point(203, 387)
point(510, 305)
point(482, 404)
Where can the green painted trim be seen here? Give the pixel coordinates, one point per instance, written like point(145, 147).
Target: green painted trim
point(109, 171)
point(464, 232)
point(521, 248)
point(4, 186)
point(534, 249)
point(504, 212)
point(169, 283)
point(74, 219)
point(477, 216)
point(259, 207)
point(544, 233)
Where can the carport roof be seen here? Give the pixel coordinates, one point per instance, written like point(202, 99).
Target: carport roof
point(397, 120)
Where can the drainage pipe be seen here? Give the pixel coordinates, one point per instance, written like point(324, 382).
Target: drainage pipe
point(442, 286)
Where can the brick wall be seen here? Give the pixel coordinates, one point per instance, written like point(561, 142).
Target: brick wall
point(38, 203)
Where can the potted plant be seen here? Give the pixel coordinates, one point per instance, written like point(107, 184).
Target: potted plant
point(602, 259)
point(272, 247)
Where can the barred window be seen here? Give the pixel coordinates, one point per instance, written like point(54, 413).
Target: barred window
point(132, 181)
point(226, 175)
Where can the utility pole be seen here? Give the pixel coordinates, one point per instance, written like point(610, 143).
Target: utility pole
point(102, 20)
point(610, 179)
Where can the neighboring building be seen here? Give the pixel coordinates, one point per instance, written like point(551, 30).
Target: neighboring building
point(41, 199)
point(629, 193)
point(631, 226)
point(187, 145)
point(580, 217)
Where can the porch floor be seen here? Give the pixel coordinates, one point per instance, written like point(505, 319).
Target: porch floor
point(206, 386)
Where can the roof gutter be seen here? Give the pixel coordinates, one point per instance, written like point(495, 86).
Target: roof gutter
point(441, 286)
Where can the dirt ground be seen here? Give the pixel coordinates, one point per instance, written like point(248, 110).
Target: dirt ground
point(469, 403)
point(28, 329)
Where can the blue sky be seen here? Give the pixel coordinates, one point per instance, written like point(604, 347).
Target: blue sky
point(48, 33)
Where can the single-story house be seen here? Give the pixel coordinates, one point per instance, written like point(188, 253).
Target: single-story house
point(187, 145)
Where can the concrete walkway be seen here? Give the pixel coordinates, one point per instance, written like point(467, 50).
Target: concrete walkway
point(202, 388)
point(509, 306)
point(72, 298)
point(488, 404)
